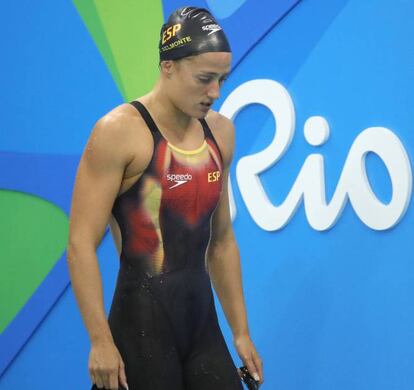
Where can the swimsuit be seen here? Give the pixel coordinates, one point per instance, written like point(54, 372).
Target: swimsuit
point(162, 318)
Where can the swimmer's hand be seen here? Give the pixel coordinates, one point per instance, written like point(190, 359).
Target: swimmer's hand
point(106, 367)
point(249, 357)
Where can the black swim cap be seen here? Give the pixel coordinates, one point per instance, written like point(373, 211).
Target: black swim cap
point(190, 31)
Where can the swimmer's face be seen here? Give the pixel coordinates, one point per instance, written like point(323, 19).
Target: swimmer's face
point(195, 82)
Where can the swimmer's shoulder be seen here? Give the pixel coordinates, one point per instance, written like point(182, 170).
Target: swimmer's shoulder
point(126, 132)
point(223, 132)
point(125, 123)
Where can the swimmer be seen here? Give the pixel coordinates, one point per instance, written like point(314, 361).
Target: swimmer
point(156, 170)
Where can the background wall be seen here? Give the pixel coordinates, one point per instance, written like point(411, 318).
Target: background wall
point(329, 305)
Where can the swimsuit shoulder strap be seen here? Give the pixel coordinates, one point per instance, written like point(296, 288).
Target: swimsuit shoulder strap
point(145, 115)
point(209, 134)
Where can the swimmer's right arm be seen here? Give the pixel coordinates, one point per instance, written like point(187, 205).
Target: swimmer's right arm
point(97, 182)
point(98, 179)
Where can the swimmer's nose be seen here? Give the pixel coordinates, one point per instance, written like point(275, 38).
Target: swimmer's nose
point(214, 90)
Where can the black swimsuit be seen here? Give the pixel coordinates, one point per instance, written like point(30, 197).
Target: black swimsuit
point(162, 318)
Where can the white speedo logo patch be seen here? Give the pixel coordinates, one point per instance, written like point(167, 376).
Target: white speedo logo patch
point(212, 28)
point(179, 179)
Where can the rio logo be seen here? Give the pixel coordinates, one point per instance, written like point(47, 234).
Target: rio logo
point(353, 184)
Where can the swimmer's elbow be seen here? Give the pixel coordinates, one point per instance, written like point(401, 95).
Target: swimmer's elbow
point(78, 249)
point(72, 251)
point(221, 249)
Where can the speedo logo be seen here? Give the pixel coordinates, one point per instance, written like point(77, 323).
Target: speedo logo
point(212, 28)
point(179, 179)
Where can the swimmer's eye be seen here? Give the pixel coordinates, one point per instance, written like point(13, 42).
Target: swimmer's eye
point(205, 80)
point(208, 80)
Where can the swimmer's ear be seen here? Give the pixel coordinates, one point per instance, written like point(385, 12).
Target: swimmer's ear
point(167, 67)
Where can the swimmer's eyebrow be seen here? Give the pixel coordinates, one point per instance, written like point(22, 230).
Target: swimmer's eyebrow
point(214, 74)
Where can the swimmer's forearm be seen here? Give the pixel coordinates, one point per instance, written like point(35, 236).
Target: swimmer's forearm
point(225, 273)
point(87, 286)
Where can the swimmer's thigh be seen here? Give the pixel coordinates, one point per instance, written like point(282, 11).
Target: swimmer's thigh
point(210, 365)
point(144, 338)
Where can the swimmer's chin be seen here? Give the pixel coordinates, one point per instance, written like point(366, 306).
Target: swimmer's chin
point(203, 111)
point(203, 115)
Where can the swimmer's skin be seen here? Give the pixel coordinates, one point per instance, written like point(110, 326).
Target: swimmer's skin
point(117, 152)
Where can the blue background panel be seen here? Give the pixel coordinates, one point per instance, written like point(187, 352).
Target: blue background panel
point(327, 309)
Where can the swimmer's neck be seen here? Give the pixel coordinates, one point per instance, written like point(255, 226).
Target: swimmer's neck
point(166, 114)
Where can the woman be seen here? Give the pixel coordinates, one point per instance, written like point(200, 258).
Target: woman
point(156, 169)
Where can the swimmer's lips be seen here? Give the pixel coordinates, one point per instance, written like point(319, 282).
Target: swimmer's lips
point(206, 106)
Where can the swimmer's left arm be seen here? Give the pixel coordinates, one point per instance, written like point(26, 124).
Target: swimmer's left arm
point(223, 262)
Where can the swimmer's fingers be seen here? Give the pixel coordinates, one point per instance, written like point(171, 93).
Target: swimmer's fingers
point(250, 357)
point(98, 381)
point(92, 378)
point(258, 363)
point(103, 377)
point(96, 378)
point(122, 375)
point(112, 379)
point(106, 366)
point(251, 367)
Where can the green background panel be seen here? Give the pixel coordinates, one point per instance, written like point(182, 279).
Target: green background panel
point(126, 33)
point(33, 236)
